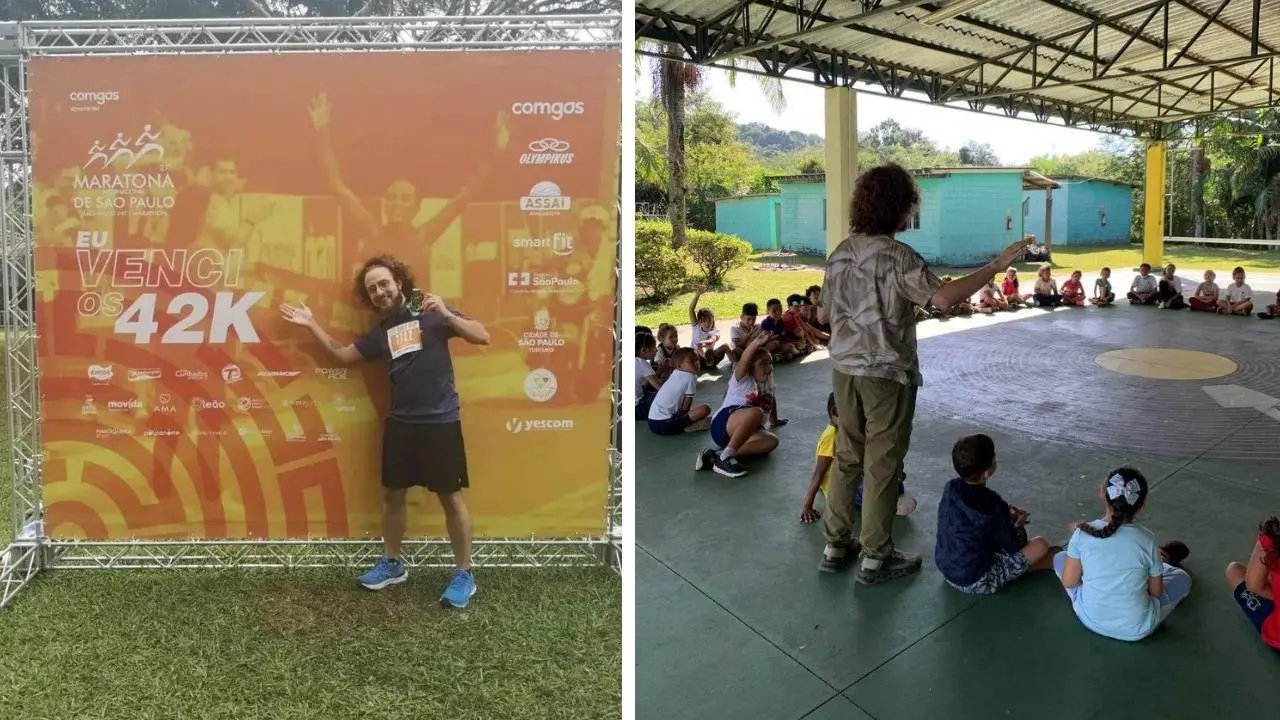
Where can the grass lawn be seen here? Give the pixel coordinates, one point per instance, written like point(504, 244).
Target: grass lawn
point(749, 285)
point(307, 644)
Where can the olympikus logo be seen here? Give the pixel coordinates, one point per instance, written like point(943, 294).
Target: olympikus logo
point(547, 151)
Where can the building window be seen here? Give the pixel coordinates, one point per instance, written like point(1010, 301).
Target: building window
point(914, 222)
point(1026, 207)
point(824, 214)
point(1102, 215)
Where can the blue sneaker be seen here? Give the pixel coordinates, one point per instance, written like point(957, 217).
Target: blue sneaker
point(460, 590)
point(386, 572)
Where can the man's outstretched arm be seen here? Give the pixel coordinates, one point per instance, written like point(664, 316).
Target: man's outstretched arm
point(302, 315)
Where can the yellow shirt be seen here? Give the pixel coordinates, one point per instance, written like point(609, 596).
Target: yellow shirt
point(827, 449)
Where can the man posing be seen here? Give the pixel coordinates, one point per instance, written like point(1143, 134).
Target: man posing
point(422, 439)
point(873, 284)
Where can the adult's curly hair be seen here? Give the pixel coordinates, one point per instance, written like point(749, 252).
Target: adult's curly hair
point(399, 272)
point(883, 200)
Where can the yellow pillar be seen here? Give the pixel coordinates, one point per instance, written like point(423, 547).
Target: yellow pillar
point(1153, 202)
point(841, 160)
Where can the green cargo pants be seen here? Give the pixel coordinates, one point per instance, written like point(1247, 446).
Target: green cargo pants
point(871, 441)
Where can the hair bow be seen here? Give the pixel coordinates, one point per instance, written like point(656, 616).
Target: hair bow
point(1117, 486)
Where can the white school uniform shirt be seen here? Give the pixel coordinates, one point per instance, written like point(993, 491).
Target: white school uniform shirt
point(1176, 284)
point(1239, 293)
point(700, 335)
point(736, 332)
point(735, 395)
point(1145, 283)
point(1046, 287)
point(643, 371)
point(671, 396)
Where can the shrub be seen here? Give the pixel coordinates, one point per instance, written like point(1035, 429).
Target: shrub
point(716, 254)
point(658, 231)
point(660, 271)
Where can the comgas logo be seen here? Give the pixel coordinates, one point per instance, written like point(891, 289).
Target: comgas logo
point(553, 110)
point(96, 97)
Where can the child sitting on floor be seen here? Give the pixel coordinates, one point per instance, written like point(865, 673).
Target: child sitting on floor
point(1169, 289)
point(991, 299)
point(1010, 290)
point(1102, 294)
point(982, 542)
point(1073, 290)
point(1205, 298)
point(1239, 296)
point(706, 337)
point(1120, 584)
point(824, 467)
point(786, 346)
point(673, 411)
point(961, 309)
point(740, 334)
point(737, 427)
point(1272, 310)
point(668, 339)
point(647, 383)
point(1046, 288)
point(1144, 288)
point(1255, 584)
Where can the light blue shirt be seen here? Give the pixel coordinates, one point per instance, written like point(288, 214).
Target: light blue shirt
point(1112, 599)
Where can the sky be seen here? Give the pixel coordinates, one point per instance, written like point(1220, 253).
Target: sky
point(1014, 141)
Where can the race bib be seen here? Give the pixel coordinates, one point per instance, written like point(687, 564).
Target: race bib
point(404, 338)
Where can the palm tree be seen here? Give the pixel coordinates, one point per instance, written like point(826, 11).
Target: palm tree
point(672, 81)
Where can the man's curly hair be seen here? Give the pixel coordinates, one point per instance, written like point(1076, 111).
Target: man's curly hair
point(883, 200)
point(399, 272)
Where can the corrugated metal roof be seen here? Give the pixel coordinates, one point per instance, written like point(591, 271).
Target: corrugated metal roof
point(1100, 63)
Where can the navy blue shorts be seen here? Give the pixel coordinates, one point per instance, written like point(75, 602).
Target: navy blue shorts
point(646, 401)
point(720, 425)
point(1256, 608)
point(673, 425)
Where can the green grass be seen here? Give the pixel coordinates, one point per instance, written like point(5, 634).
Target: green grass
point(749, 285)
point(309, 645)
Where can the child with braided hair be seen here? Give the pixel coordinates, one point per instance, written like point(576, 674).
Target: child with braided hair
point(1130, 585)
point(1255, 585)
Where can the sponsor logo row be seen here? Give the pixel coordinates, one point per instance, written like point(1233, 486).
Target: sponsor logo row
point(296, 434)
point(101, 374)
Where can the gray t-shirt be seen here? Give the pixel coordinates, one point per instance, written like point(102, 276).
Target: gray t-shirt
point(419, 366)
point(872, 287)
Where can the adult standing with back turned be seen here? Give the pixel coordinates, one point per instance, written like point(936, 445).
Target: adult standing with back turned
point(873, 284)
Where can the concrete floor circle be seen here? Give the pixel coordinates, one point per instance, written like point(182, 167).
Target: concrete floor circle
point(1166, 363)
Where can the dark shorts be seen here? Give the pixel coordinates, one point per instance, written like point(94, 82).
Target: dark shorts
point(720, 425)
point(646, 401)
point(1256, 608)
point(430, 455)
point(673, 425)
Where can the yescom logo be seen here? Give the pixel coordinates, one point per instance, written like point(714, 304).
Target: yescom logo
point(515, 426)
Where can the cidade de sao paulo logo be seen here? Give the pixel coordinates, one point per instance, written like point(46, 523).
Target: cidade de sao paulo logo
point(542, 338)
point(545, 198)
point(548, 151)
point(114, 283)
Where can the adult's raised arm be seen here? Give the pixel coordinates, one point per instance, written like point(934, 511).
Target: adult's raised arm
point(962, 288)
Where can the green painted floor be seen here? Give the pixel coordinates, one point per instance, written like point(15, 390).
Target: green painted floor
point(733, 620)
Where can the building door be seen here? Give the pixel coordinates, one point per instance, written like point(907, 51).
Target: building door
point(777, 226)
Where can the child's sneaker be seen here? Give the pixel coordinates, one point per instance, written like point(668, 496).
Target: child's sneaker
point(838, 556)
point(706, 459)
point(385, 573)
point(906, 505)
point(728, 467)
point(894, 565)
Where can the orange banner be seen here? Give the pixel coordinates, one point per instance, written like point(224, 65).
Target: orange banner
point(179, 200)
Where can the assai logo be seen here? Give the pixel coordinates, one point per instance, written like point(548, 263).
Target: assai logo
point(540, 385)
point(545, 198)
point(231, 374)
point(553, 110)
point(200, 404)
point(144, 375)
point(515, 426)
point(100, 374)
point(91, 100)
point(547, 151)
point(559, 243)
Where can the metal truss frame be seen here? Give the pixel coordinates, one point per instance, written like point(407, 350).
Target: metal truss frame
point(31, 551)
point(1019, 82)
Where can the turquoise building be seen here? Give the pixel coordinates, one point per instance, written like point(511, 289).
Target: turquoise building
point(754, 218)
point(1086, 211)
point(966, 217)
